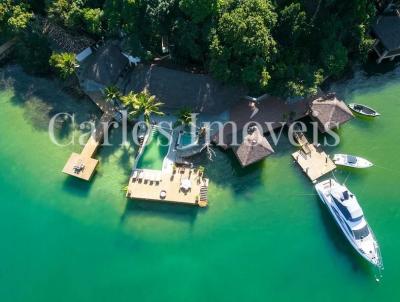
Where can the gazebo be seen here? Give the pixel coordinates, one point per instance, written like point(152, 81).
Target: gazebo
point(254, 148)
point(329, 113)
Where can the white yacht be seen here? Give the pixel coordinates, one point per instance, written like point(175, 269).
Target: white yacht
point(351, 161)
point(348, 214)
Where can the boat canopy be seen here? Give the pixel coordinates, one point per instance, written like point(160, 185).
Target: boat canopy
point(348, 205)
point(351, 159)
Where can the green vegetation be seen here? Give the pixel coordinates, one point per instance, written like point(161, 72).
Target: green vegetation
point(184, 116)
point(14, 16)
point(64, 63)
point(142, 104)
point(112, 94)
point(283, 47)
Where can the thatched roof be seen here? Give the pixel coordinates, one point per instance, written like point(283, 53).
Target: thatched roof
point(177, 89)
point(387, 30)
point(253, 148)
point(61, 39)
point(330, 113)
point(105, 66)
point(271, 109)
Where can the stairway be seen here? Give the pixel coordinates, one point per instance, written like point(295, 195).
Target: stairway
point(203, 194)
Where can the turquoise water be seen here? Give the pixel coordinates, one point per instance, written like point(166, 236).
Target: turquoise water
point(185, 139)
point(264, 237)
point(154, 153)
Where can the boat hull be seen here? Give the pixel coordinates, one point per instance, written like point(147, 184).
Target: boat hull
point(361, 163)
point(377, 261)
point(363, 110)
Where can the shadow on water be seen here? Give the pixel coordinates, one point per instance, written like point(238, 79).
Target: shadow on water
point(341, 244)
point(125, 152)
point(141, 208)
point(42, 98)
point(78, 187)
point(224, 170)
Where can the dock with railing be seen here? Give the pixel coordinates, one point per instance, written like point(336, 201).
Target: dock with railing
point(181, 186)
point(314, 162)
point(83, 165)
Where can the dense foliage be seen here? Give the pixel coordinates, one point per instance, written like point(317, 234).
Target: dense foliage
point(64, 64)
point(286, 47)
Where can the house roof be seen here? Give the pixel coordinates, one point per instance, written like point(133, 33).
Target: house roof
point(273, 110)
point(60, 38)
point(387, 30)
point(253, 148)
point(329, 113)
point(105, 65)
point(177, 89)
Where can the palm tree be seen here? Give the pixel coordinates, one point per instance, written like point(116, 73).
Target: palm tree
point(112, 94)
point(185, 116)
point(142, 103)
point(65, 63)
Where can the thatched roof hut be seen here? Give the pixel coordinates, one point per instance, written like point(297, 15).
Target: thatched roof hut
point(272, 110)
point(329, 113)
point(254, 148)
point(105, 66)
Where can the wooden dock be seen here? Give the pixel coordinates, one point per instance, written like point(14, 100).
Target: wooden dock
point(313, 161)
point(83, 165)
point(152, 184)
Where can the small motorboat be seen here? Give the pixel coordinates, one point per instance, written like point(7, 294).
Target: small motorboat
point(363, 110)
point(351, 161)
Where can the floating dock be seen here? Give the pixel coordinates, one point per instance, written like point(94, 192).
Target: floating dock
point(182, 186)
point(83, 165)
point(313, 161)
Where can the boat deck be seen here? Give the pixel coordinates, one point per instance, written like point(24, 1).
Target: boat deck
point(85, 159)
point(148, 185)
point(313, 161)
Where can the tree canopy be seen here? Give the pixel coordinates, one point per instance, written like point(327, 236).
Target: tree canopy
point(284, 47)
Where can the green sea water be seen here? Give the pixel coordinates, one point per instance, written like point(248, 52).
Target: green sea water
point(264, 237)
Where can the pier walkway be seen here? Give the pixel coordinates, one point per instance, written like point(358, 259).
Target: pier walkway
point(83, 165)
point(313, 161)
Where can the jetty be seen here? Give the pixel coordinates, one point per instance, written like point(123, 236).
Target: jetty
point(83, 165)
point(181, 185)
point(312, 159)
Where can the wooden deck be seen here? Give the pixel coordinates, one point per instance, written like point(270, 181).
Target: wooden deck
point(89, 163)
point(313, 161)
point(148, 185)
point(84, 159)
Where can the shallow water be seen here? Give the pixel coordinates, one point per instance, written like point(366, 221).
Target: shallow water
point(154, 153)
point(264, 237)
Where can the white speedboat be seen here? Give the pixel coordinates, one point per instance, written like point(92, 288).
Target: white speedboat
point(348, 214)
point(363, 110)
point(351, 161)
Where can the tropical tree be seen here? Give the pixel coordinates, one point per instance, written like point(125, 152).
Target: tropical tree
point(112, 94)
point(14, 16)
point(142, 104)
point(64, 63)
point(185, 116)
point(242, 45)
